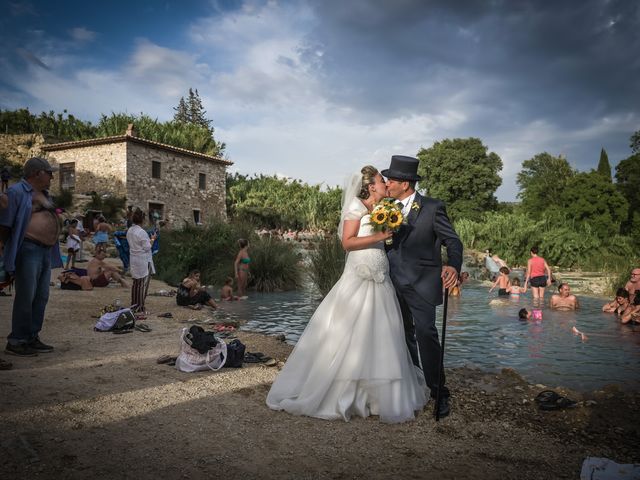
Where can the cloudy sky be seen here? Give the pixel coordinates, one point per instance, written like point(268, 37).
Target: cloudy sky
point(314, 89)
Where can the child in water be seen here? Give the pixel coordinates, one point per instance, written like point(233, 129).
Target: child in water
point(526, 315)
point(502, 282)
point(515, 289)
point(226, 292)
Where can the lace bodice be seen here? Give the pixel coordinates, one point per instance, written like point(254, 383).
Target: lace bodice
point(369, 263)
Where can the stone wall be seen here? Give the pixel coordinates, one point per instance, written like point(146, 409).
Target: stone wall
point(177, 189)
point(99, 168)
point(17, 149)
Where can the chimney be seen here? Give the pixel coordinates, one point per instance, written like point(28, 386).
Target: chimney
point(131, 131)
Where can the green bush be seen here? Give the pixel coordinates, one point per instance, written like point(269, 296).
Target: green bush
point(620, 273)
point(212, 250)
point(275, 265)
point(562, 241)
point(327, 263)
point(65, 199)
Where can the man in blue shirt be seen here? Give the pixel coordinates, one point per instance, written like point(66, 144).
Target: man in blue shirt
point(29, 229)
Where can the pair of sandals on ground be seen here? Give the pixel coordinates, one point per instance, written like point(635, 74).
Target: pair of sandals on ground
point(549, 400)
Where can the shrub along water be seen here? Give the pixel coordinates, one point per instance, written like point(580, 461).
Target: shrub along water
point(327, 263)
point(275, 265)
point(562, 242)
point(212, 250)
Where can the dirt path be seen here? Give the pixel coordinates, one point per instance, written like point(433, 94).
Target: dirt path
point(100, 407)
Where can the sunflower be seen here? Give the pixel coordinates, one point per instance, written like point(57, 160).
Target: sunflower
point(395, 219)
point(379, 216)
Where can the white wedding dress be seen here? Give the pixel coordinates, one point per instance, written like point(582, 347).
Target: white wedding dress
point(352, 358)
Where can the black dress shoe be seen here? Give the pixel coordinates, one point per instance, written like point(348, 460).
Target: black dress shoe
point(443, 407)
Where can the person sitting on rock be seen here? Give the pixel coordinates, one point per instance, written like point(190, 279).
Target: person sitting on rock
point(633, 285)
point(192, 294)
point(101, 273)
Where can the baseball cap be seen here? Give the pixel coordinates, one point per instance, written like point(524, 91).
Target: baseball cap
point(35, 164)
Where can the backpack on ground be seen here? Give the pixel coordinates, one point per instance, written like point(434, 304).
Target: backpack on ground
point(117, 321)
point(235, 354)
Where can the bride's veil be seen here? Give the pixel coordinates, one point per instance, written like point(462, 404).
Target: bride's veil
point(352, 186)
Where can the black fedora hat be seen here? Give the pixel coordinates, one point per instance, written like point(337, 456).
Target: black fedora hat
point(402, 168)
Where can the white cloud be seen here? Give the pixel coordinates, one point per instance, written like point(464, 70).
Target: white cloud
point(166, 72)
point(151, 81)
point(82, 35)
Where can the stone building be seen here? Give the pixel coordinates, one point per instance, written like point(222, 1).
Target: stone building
point(180, 185)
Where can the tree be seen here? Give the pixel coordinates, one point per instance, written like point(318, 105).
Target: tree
point(542, 182)
point(462, 174)
point(591, 199)
point(196, 112)
point(182, 113)
point(179, 134)
point(192, 111)
point(635, 142)
point(628, 183)
point(604, 168)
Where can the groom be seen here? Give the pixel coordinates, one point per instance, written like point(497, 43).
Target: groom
point(415, 266)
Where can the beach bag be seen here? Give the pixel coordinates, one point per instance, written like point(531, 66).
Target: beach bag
point(191, 360)
point(235, 354)
point(117, 321)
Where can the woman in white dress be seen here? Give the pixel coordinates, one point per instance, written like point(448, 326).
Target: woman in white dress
point(352, 358)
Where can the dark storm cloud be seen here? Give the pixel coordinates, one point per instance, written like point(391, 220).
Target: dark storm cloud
point(535, 59)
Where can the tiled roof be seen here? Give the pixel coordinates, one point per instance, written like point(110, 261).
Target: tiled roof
point(123, 138)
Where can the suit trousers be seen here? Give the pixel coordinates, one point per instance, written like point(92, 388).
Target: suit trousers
point(421, 335)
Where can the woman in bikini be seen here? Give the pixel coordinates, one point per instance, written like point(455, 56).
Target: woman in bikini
point(241, 267)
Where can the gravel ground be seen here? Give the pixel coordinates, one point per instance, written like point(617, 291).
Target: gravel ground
point(100, 407)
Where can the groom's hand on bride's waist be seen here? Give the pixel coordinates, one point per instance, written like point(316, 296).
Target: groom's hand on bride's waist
point(449, 276)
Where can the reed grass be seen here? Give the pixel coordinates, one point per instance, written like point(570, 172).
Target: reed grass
point(327, 263)
point(212, 249)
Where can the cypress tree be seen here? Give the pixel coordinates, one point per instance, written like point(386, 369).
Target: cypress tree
point(182, 113)
point(196, 112)
point(604, 168)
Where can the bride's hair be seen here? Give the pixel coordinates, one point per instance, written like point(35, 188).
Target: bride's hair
point(368, 178)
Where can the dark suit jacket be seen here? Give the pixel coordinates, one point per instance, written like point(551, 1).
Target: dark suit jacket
point(415, 257)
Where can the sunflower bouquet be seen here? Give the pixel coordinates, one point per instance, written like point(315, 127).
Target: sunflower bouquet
point(386, 216)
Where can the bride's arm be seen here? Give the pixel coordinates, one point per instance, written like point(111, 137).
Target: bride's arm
point(351, 241)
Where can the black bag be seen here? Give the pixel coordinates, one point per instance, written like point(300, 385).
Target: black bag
point(200, 339)
point(125, 321)
point(235, 354)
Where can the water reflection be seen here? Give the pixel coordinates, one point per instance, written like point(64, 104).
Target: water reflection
point(485, 332)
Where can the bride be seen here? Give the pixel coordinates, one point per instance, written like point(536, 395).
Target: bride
point(352, 358)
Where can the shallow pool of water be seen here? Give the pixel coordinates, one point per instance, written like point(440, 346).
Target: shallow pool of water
point(484, 331)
